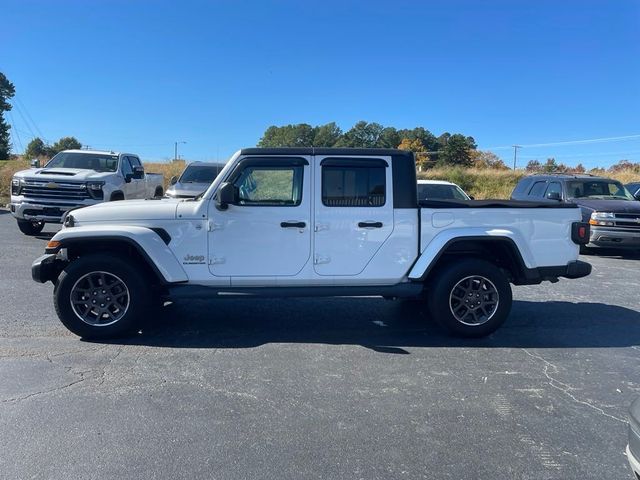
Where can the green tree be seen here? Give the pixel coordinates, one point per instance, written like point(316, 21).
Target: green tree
point(362, 135)
point(299, 135)
point(457, 150)
point(65, 143)
point(533, 166)
point(326, 135)
point(424, 136)
point(7, 91)
point(36, 148)
point(389, 138)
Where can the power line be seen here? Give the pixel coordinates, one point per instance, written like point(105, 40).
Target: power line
point(13, 124)
point(576, 155)
point(24, 107)
point(570, 142)
point(24, 119)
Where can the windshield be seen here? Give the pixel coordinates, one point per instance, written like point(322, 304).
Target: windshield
point(84, 161)
point(600, 189)
point(440, 192)
point(200, 174)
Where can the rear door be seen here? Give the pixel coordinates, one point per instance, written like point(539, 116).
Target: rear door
point(353, 212)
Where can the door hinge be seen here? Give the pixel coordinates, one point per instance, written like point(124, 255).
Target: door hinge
point(320, 259)
point(214, 226)
point(217, 260)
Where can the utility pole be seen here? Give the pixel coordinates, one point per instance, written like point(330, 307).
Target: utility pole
point(175, 150)
point(515, 154)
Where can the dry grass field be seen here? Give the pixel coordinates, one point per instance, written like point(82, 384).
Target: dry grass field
point(480, 183)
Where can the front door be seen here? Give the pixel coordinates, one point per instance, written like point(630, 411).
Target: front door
point(134, 188)
point(266, 232)
point(353, 212)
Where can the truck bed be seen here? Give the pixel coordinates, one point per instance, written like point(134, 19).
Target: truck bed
point(492, 204)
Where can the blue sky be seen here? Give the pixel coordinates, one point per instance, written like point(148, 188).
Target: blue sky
point(139, 75)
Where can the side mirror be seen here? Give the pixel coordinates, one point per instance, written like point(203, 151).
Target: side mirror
point(554, 196)
point(173, 180)
point(35, 163)
point(227, 195)
point(138, 173)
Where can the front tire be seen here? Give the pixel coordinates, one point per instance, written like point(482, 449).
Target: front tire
point(30, 228)
point(470, 297)
point(102, 296)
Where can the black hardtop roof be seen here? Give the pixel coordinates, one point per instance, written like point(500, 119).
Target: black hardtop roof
point(326, 151)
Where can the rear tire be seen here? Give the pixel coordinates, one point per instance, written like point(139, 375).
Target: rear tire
point(159, 193)
point(30, 228)
point(102, 296)
point(470, 297)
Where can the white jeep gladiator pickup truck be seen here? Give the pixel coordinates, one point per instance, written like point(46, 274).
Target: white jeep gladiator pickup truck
point(78, 178)
point(308, 222)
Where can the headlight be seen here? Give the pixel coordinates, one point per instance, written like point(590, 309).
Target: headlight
point(596, 215)
point(604, 219)
point(95, 190)
point(16, 185)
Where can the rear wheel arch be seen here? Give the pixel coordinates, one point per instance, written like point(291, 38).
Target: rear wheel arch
point(500, 251)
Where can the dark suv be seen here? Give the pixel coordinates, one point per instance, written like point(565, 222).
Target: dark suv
point(612, 212)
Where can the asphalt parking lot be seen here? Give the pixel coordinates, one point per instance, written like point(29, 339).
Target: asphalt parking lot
point(321, 388)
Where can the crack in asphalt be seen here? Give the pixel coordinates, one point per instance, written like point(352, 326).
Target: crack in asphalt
point(45, 392)
point(68, 368)
point(565, 388)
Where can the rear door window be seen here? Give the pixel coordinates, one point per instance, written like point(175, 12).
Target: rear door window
point(352, 185)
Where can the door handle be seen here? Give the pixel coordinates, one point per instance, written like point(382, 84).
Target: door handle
point(370, 224)
point(293, 224)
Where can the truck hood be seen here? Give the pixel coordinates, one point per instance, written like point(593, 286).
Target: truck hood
point(62, 174)
point(187, 189)
point(127, 211)
point(615, 206)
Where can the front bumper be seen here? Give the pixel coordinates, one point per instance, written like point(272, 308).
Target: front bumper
point(614, 238)
point(45, 268)
point(45, 212)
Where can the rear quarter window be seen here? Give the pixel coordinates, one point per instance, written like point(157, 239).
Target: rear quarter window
point(538, 189)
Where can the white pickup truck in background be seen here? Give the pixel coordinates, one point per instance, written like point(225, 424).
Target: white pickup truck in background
point(78, 178)
point(308, 222)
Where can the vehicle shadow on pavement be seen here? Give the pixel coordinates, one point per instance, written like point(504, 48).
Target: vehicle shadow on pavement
point(381, 325)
